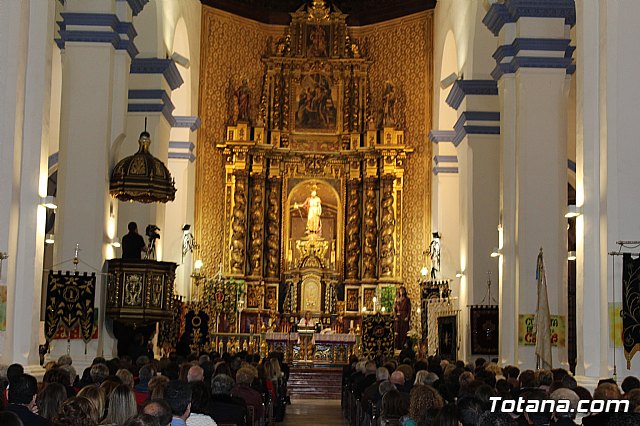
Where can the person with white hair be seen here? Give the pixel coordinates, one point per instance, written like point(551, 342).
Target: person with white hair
point(371, 394)
point(565, 418)
point(195, 374)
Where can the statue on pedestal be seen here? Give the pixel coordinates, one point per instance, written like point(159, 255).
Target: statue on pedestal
point(243, 95)
point(402, 313)
point(313, 205)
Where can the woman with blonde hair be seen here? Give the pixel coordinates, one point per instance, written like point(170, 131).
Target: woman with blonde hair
point(95, 395)
point(126, 377)
point(122, 406)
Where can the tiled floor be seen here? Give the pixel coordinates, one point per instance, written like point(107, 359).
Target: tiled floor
point(316, 412)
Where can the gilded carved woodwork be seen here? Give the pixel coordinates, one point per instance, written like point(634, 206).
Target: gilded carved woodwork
point(369, 246)
point(353, 230)
point(350, 66)
point(387, 227)
point(257, 225)
point(239, 224)
point(273, 229)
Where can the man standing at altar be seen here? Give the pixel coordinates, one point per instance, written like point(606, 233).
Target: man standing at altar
point(402, 313)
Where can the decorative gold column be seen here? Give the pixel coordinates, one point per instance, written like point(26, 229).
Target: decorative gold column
point(387, 227)
point(273, 228)
point(370, 229)
point(239, 222)
point(256, 240)
point(352, 267)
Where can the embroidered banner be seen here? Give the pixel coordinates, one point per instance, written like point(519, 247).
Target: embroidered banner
point(630, 307)
point(377, 336)
point(70, 299)
point(448, 337)
point(484, 330)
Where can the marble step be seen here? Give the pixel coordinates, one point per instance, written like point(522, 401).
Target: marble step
point(315, 383)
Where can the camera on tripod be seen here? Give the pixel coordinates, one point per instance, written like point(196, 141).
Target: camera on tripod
point(152, 232)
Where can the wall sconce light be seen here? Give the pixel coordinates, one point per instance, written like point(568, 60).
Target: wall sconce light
point(115, 242)
point(197, 265)
point(424, 271)
point(496, 252)
point(49, 202)
point(418, 310)
point(573, 211)
point(383, 309)
point(364, 309)
point(571, 255)
point(49, 239)
point(459, 274)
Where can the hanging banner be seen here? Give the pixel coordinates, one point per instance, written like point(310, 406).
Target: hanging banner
point(448, 337)
point(526, 330)
point(70, 299)
point(630, 306)
point(485, 322)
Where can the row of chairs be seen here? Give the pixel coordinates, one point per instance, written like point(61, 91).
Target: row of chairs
point(354, 411)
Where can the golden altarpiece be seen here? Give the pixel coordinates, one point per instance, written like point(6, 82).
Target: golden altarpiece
point(316, 139)
point(313, 180)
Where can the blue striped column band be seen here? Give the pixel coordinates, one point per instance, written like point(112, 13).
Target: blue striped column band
point(509, 11)
point(525, 53)
point(437, 136)
point(462, 88)
point(135, 5)
point(97, 28)
point(445, 169)
point(476, 123)
point(151, 101)
point(182, 150)
point(190, 121)
point(445, 159)
point(166, 67)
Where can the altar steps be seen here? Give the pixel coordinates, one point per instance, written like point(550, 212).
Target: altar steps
point(315, 383)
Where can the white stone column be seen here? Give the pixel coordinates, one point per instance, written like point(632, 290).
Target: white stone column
point(94, 86)
point(591, 235)
point(532, 63)
point(477, 141)
point(25, 88)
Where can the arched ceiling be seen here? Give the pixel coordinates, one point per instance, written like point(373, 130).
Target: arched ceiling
point(361, 12)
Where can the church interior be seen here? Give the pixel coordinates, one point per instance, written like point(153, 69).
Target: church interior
point(321, 178)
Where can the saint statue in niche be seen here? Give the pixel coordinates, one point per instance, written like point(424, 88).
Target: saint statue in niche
point(313, 204)
point(243, 94)
point(389, 108)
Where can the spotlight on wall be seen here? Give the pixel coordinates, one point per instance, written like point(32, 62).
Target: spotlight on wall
point(179, 59)
point(49, 239)
point(496, 252)
point(448, 80)
point(571, 255)
point(115, 242)
point(573, 211)
point(49, 202)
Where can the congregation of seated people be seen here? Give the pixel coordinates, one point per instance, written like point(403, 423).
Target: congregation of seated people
point(436, 392)
point(205, 390)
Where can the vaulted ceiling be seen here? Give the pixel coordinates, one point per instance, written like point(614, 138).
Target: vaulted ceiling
point(361, 12)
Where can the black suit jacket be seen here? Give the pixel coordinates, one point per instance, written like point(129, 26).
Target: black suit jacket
point(227, 409)
point(27, 417)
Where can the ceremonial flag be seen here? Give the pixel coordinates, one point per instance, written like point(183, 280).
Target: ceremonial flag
point(543, 319)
